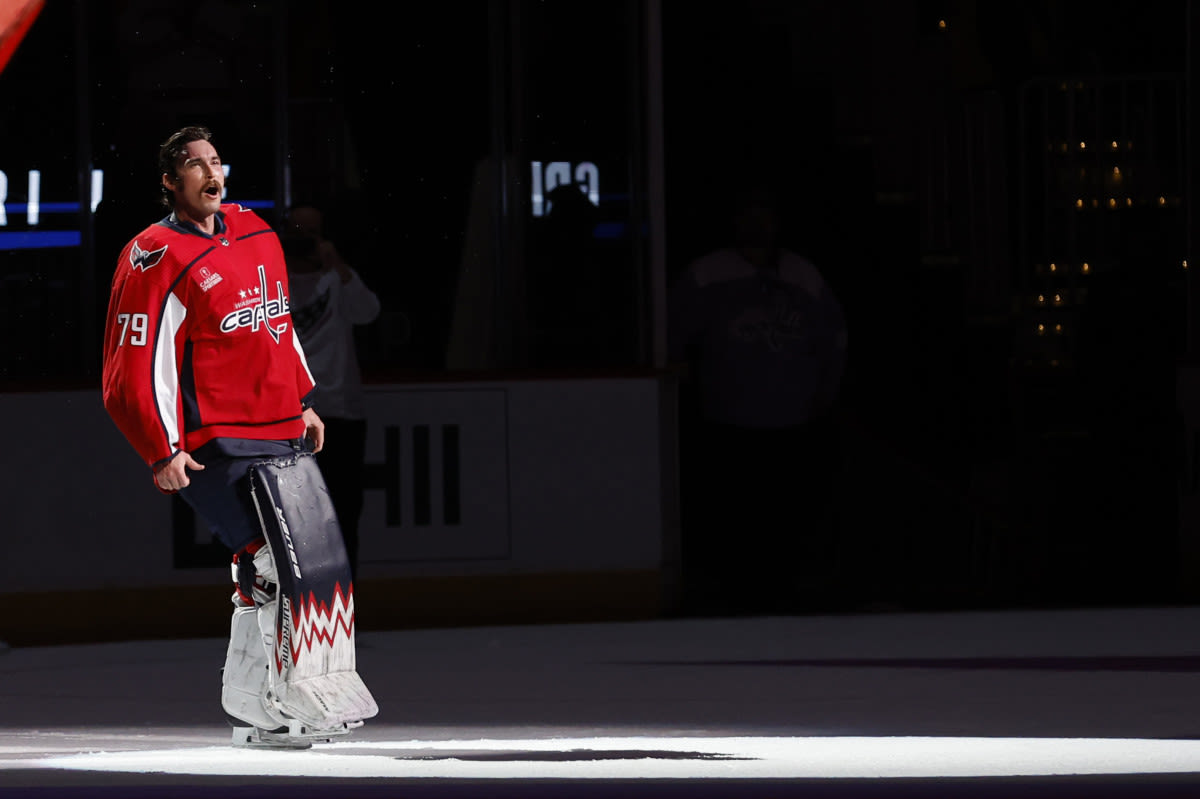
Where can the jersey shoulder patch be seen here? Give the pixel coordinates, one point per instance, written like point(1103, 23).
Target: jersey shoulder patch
point(143, 259)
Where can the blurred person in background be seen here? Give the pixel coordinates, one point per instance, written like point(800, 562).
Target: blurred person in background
point(328, 299)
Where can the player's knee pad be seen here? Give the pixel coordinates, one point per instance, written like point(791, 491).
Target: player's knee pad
point(255, 578)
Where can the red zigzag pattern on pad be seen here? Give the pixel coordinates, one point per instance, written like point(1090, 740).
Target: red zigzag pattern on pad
point(316, 622)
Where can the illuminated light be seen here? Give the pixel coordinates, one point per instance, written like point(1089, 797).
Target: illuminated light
point(1128, 202)
point(1041, 329)
point(537, 194)
point(1058, 328)
point(1085, 268)
point(1116, 169)
point(1082, 145)
point(33, 208)
point(1079, 203)
point(1041, 300)
point(1095, 203)
point(1062, 148)
point(1112, 202)
point(1115, 146)
point(1185, 263)
point(1058, 299)
point(941, 24)
point(587, 176)
point(97, 188)
point(547, 177)
point(40, 240)
point(1053, 267)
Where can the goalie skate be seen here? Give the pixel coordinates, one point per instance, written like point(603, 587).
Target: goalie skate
point(295, 735)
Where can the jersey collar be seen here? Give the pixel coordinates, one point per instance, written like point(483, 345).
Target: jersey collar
point(218, 225)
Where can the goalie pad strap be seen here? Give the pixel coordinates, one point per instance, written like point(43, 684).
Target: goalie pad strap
point(253, 574)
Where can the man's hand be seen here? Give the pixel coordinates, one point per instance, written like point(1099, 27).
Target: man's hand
point(172, 475)
point(314, 429)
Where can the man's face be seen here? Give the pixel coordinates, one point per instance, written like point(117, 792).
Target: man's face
point(198, 182)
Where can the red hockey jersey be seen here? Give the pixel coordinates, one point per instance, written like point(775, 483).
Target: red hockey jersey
point(199, 342)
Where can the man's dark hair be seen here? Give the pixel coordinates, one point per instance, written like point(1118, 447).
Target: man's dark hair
point(170, 150)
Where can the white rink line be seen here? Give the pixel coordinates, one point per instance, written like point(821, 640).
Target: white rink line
point(662, 758)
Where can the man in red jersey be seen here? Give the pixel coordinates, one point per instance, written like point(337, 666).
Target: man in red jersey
point(205, 377)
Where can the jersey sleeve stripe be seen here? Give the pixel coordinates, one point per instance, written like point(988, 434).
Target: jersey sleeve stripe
point(300, 351)
point(166, 375)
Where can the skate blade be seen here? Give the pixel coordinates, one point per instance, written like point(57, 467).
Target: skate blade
point(296, 735)
point(255, 738)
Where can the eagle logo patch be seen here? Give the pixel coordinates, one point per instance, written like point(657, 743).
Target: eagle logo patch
point(145, 259)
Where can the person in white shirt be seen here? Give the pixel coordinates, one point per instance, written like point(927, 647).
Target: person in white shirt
point(328, 299)
point(763, 342)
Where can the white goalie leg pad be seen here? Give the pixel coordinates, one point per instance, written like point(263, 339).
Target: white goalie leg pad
point(328, 701)
point(315, 679)
point(245, 679)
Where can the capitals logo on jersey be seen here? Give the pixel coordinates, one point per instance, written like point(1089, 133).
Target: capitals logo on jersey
point(260, 310)
point(145, 259)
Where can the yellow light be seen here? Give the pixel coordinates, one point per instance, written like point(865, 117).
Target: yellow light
point(1128, 202)
point(1115, 145)
point(1095, 203)
point(1162, 200)
point(1041, 329)
point(1082, 145)
point(941, 24)
point(1053, 267)
point(1185, 263)
point(1085, 268)
point(1041, 299)
point(1058, 328)
point(1062, 148)
point(1112, 202)
point(1116, 169)
point(1058, 299)
point(1079, 203)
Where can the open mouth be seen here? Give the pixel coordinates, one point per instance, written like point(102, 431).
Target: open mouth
point(213, 191)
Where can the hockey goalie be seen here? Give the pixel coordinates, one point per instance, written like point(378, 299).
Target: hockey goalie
point(204, 375)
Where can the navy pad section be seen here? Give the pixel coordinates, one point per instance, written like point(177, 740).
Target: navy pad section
point(301, 525)
point(299, 522)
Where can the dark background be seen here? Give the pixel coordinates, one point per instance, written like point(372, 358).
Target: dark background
point(918, 143)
